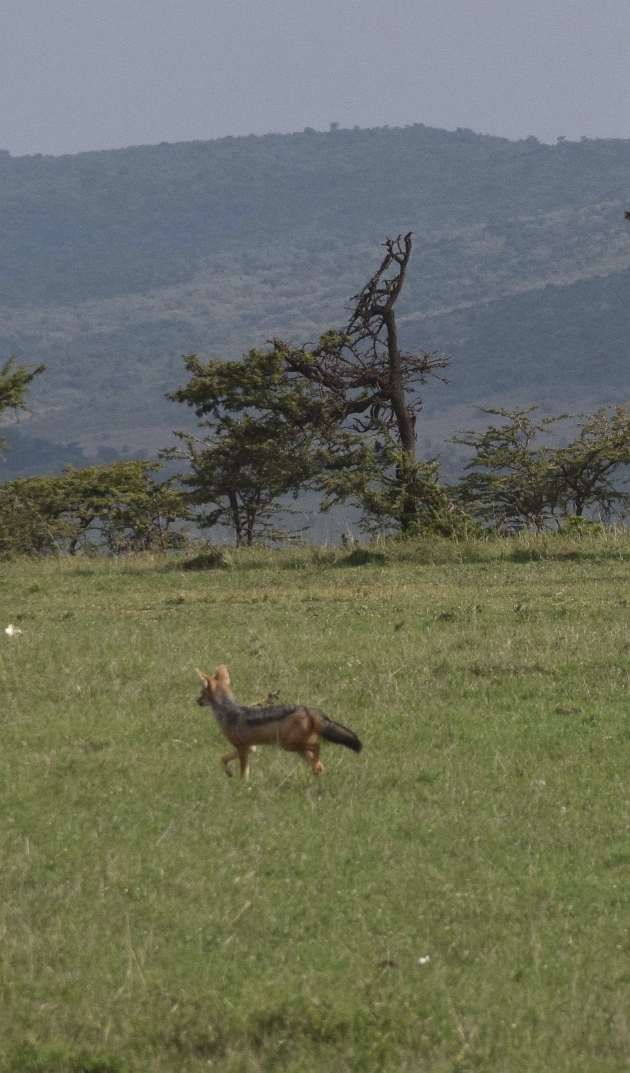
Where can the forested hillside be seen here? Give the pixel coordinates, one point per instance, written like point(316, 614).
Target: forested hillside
point(117, 262)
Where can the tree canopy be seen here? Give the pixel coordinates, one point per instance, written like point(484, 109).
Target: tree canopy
point(120, 507)
point(512, 482)
point(14, 380)
point(264, 430)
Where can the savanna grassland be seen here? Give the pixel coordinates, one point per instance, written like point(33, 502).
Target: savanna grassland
point(155, 915)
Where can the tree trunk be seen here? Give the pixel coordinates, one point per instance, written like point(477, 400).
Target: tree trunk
point(404, 417)
point(237, 523)
point(405, 420)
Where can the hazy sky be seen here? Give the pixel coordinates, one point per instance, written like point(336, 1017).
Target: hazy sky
point(99, 74)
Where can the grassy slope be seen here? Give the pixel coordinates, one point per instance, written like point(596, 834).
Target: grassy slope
point(153, 910)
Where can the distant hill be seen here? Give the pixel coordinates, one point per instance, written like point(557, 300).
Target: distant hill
point(115, 263)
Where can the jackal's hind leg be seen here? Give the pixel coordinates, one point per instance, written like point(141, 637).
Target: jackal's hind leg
point(311, 754)
point(226, 760)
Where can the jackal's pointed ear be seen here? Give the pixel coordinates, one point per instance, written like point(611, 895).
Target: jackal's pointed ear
point(205, 678)
point(222, 676)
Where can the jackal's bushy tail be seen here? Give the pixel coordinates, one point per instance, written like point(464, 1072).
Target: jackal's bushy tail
point(340, 735)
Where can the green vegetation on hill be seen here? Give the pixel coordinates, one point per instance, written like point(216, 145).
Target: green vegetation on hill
point(120, 222)
point(117, 262)
point(453, 899)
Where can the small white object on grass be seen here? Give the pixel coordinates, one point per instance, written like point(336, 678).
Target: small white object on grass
point(11, 629)
point(424, 960)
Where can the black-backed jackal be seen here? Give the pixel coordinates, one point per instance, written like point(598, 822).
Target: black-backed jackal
point(292, 727)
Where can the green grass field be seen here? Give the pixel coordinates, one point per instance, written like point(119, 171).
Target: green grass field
point(157, 916)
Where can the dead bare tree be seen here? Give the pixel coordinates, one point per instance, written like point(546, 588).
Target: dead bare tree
point(366, 377)
point(368, 383)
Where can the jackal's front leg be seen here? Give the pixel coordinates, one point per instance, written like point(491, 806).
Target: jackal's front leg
point(226, 760)
point(242, 755)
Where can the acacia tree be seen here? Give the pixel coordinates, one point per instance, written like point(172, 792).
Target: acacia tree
point(371, 390)
point(510, 484)
point(14, 380)
point(264, 431)
point(379, 477)
point(587, 469)
point(30, 518)
point(119, 507)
